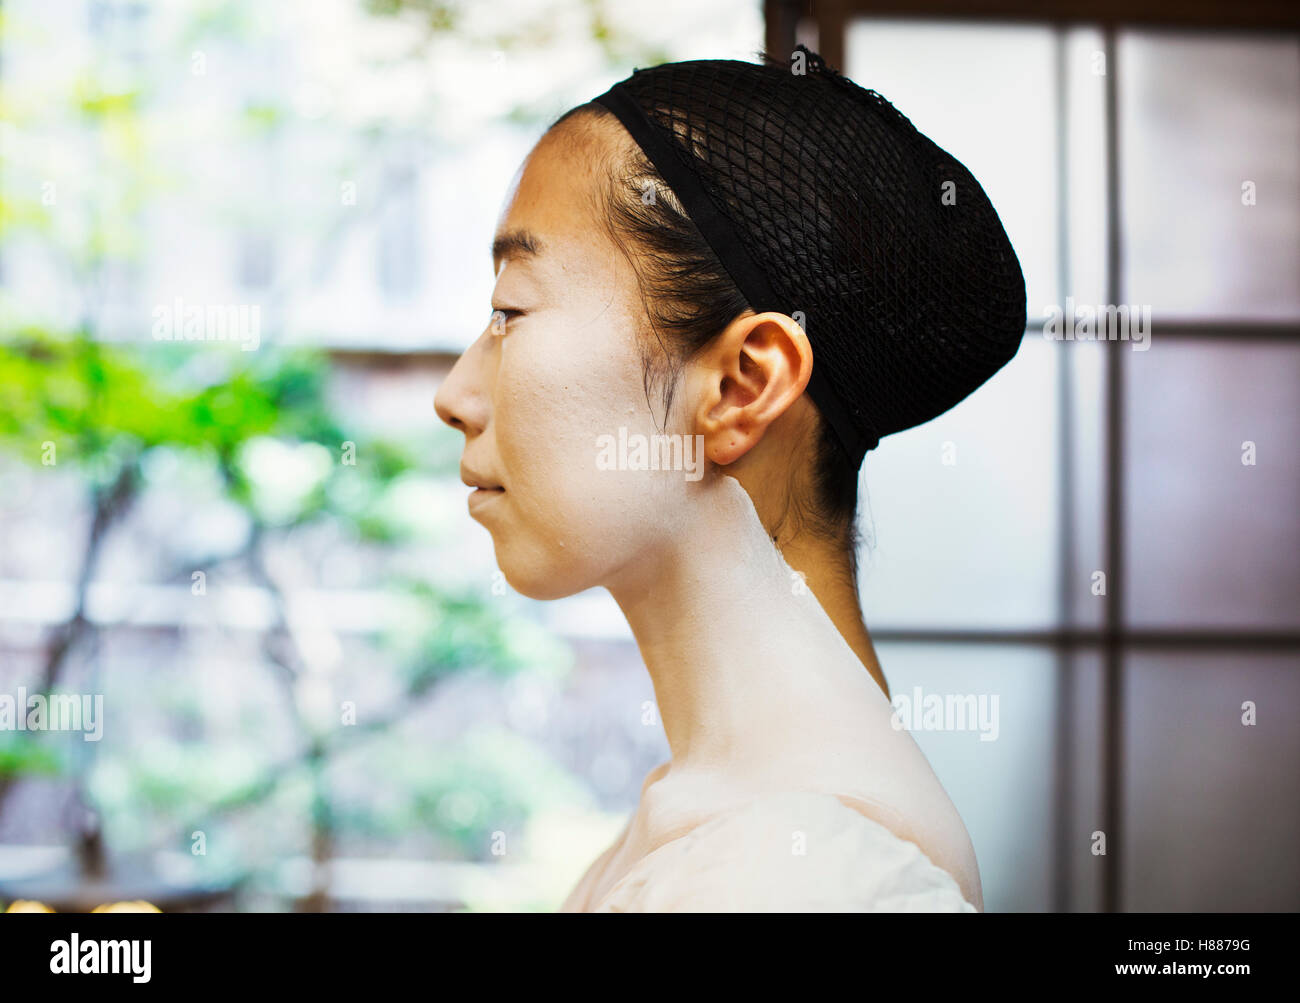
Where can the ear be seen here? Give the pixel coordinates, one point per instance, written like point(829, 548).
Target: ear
point(745, 379)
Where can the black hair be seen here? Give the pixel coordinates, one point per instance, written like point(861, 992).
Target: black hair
point(689, 299)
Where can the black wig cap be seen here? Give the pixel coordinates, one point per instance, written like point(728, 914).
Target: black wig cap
point(824, 203)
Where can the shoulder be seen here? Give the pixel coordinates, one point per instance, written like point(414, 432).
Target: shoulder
point(787, 852)
point(580, 896)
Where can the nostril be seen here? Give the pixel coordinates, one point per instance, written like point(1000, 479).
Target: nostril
point(451, 418)
point(457, 400)
point(441, 409)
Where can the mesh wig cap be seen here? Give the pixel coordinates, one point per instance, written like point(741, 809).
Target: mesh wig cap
point(824, 203)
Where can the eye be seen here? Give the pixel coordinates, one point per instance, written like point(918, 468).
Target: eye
point(499, 319)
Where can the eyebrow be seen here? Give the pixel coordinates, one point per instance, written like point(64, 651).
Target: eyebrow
point(515, 243)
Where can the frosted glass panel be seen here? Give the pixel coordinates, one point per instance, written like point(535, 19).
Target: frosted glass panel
point(1212, 540)
point(1213, 820)
point(1085, 165)
point(1001, 128)
point(1201, 117)
point(1087, 459)
point(964, 508)
point(1002, 787)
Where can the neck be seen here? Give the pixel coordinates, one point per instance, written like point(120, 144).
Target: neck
point(738, 647)
point(829, 576)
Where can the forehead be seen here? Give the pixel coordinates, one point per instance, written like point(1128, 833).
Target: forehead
point(553, 202)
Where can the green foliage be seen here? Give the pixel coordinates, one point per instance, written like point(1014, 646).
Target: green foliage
point(264, 428)
point(454, 633)
point(490, 779)
point(104, 407)
point(94, 397)
point(258, 430)
point(163, 775)
point(20, 755)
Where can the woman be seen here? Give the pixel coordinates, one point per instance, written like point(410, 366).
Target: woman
point(769, 265)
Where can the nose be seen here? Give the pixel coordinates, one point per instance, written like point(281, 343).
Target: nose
point(461, 401)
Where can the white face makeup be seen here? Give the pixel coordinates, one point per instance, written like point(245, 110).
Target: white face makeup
point(557, 368)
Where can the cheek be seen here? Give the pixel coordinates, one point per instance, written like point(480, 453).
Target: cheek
point(556, 395)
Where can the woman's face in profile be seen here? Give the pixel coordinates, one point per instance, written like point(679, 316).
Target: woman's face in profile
point(558, 366)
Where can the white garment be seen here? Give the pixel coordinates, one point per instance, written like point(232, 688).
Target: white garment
point(787, 852)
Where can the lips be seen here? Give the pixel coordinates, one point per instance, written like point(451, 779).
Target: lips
point(481, 498)
point(485, 488)
point(475, 480)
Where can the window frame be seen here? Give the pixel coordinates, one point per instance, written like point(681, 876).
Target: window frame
point(826, 23)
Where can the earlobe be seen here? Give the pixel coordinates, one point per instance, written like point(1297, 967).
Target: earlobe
point(749, 376)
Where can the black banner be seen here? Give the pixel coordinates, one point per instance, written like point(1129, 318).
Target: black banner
point(589, 954)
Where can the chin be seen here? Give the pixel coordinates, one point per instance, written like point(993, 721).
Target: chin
point(536, 577)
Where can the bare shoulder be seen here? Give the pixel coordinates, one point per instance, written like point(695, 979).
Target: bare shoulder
point(882, 774)
point(597, 874)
